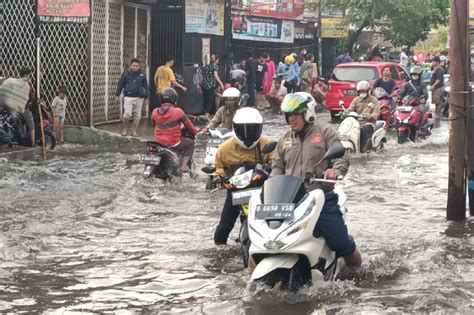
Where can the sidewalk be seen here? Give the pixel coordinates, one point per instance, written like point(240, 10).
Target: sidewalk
point(144, 132)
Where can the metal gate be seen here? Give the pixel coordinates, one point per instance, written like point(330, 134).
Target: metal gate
point(119, 33)
point(87, 59)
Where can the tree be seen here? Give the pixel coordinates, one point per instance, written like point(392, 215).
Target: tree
point(403, 22)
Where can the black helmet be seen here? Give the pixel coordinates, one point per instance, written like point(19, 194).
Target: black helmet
point(169, 95)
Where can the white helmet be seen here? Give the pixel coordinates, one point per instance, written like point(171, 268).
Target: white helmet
point(247, 125)
point(300, 102)
point(231, 97)
point(362, 86)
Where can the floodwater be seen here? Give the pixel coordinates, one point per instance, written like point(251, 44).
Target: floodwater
point(84, 232)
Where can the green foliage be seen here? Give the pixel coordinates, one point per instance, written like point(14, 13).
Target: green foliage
point(403, 22)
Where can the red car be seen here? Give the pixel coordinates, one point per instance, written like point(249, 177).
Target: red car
point(342, 85)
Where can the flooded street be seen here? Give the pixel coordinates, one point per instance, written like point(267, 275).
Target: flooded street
point(85, 232)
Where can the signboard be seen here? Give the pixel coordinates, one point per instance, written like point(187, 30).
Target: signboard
point(282, 9)
point(333, 28)
point(262, 29)
point(206, 51)
point(63, 11)
point(305, 31)
point(205, 17)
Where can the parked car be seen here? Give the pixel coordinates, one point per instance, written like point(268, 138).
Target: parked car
point(343, 81)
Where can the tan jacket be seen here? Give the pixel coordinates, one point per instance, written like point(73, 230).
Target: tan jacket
point(230, 154)
point(223, 118)
point(296, 155)
point(359, 105)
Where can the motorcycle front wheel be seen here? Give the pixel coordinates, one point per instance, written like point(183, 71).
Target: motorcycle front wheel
point(403, 137)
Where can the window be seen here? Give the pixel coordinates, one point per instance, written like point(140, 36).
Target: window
point(355, 74)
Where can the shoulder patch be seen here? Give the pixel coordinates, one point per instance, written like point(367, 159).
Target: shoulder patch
point(316, 138)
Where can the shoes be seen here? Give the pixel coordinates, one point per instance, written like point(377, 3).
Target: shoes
point(134, 133)
point(124, 133)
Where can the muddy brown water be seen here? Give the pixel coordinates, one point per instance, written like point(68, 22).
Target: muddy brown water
point(84, 232)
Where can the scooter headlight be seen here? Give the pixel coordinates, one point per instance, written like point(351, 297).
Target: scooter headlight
point(272, 245)
point(242, 180)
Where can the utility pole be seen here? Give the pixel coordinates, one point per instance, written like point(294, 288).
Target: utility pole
point(459, 26)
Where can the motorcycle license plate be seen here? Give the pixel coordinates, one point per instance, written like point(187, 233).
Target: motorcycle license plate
point(242, 197)
point(214, 142)
point(350, 92)
point(276, 211)
point(150, 159)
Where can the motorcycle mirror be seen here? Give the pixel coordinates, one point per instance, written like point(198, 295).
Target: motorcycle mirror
point(208, 169)
point(333, 153)
point(269, 147)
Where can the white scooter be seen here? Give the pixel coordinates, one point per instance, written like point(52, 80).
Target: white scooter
point(349, 132)
point(281, 226)
point(217, 137)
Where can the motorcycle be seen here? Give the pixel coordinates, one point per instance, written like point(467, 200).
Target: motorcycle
point(217, 137)
point(413, 122)
point(350, 131)
point(281, 222)
point(388, 107)
point(246, 180)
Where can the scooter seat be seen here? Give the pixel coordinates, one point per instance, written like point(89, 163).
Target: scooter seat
point(379, 124)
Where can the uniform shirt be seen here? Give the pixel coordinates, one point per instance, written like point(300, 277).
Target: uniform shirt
point(361, 105)
point(163, 77)
point(230, 154)
point(297, 154)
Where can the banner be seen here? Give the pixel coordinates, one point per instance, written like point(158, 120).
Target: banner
point(205, 17)
point(305, 31)
point(63, 11)
point(283, 9)
point(206, 51)
point(262, 29)
point(333, 28)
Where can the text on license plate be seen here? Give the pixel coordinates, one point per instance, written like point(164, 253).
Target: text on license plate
point(350, 92)
point(275, 211)
point(150, 159)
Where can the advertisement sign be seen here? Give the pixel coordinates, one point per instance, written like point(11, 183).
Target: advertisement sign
point(205, 17)
point(283, 9)
point(206, 51)
point(305, 31)
point(262, 29)
point(333, 28)
point(63, 11)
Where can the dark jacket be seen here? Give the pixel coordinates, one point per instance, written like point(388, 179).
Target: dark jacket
point(131, 83)
point(412, 89)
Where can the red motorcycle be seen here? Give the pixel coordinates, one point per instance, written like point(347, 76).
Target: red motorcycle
point(413, 122)
point(388, 107)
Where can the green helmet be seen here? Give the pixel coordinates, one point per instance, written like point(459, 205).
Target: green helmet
point(416, 70)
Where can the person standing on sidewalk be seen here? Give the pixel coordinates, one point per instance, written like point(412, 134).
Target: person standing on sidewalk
point(210, 79)
point(134, 86)
point(164, 78)
point(251, 69)
point(437, 83)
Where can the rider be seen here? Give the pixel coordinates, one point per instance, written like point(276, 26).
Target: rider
point(244, 149)
point(224, 115)
point(415, 86)
point(388, 84)
point(167, 120)
point(298, 151)
point(368, 109)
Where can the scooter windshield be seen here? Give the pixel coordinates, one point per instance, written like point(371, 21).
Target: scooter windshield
point(283, 189)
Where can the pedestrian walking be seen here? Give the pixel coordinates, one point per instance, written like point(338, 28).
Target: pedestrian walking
point(210, 79)
point(260, 79)
point(164, 78)
point(267, 86)
point(251, 69)
point(59, 106)
point(134, 85)
point(308, 73)
point(437, 91)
